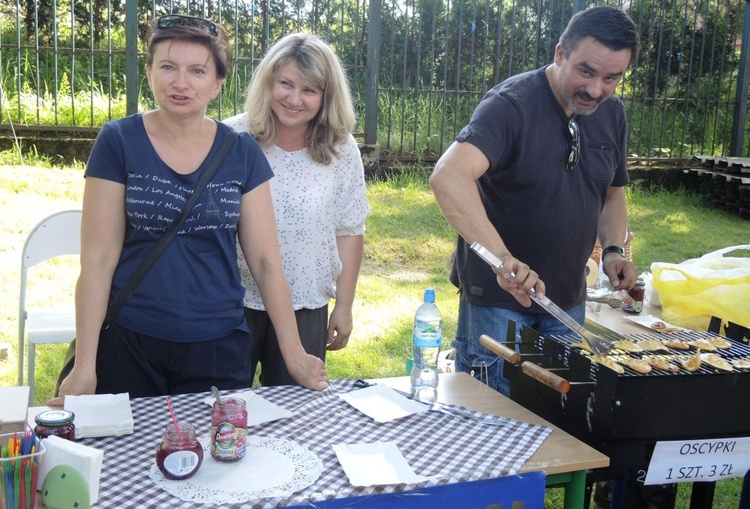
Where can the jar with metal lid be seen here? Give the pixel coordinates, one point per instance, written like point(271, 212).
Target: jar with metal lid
point(56, 422)
point(633, 302)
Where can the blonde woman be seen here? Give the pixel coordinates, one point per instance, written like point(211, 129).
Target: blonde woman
point(300, 111)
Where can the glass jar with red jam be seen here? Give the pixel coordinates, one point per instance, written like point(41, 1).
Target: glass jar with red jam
point(56, 422)
point(229, 429)
point(179, 454)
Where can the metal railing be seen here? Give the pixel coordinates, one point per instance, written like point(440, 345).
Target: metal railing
point(418, 68)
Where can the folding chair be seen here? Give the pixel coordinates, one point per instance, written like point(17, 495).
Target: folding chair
point(57, 235)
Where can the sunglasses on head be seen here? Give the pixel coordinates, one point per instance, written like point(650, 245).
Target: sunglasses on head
point(177, 20)
point(575, 145)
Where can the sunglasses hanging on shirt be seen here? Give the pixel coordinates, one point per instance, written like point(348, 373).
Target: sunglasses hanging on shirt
point(575, 145)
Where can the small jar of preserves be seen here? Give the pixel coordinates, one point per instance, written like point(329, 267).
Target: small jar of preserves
point(179, 454)
point(229, 429)
point(55, 422)
point(633, 302)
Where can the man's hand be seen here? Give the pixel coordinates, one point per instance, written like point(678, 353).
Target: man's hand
point(518, 279)
point(622, 273)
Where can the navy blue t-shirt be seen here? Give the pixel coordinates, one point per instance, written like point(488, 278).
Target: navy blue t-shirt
point(546, 214)
point(193, 292)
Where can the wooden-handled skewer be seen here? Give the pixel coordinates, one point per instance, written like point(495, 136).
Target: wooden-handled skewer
point(546, 377)
point(500, 349)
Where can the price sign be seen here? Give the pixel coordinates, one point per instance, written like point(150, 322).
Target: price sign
point(699, 460)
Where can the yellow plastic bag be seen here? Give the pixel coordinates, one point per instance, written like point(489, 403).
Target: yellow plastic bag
point(693, 291)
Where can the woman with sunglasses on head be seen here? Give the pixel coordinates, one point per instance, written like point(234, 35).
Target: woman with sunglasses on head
point(182, 329)
point(299, 109)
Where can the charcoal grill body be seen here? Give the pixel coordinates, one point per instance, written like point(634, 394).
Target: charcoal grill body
point(623, 416)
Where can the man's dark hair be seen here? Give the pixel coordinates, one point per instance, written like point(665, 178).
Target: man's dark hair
point(607, 25)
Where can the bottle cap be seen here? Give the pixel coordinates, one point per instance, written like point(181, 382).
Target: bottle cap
point(429, 295)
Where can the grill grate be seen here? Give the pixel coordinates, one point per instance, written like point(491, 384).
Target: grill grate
point(736, 351)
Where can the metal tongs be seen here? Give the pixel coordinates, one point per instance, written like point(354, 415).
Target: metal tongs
point(597, 344)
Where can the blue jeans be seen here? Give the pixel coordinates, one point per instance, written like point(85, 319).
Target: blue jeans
point(473, 321)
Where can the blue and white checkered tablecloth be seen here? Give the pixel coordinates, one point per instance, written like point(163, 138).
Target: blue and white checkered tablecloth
point(432, 442)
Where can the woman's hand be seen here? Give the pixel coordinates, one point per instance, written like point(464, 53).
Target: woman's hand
point(340, 326)
point(308, 371)
point(75, 383)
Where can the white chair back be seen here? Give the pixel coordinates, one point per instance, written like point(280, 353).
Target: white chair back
point(56, 235)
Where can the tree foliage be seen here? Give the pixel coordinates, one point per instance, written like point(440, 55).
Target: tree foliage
point(437, 57)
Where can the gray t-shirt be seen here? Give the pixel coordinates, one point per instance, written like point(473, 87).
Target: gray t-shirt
point(546, 214)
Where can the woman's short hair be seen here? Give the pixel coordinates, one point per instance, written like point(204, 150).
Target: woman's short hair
point(198, 30)
point(319, 67)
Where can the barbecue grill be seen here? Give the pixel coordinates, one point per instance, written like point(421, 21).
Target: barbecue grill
point(624, 415)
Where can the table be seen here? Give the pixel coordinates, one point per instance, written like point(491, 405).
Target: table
point(565, 458)
point(615, 319)
point(125, 480)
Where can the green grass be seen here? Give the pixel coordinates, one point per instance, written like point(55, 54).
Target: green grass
point(407, 248)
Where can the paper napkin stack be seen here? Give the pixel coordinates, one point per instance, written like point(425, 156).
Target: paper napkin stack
point(101, 415)
point(87, 460)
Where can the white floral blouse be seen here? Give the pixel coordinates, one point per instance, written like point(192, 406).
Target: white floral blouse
point(314, 203)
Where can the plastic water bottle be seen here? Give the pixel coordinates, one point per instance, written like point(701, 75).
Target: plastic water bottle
point(426, 339)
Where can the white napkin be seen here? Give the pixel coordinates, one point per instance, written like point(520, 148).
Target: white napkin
point(101, 415)
point(259, 409)
point(87, 460)
point(377, 463)
point(382, 403)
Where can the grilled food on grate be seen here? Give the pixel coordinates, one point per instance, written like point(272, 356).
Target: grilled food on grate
point(628, 345)
point(677, 344)
point(741, 363)
point(653, 345)
point(582, 346)
point(702, 344)
point(719, 342)
point(638, 365)
point(692, 363)
point(717, 362)
point(610, 363)
point(661, 363)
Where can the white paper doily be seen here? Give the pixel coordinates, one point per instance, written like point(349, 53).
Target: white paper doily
point(272, 467)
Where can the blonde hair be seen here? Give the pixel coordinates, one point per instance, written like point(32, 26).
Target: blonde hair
point(319, 67)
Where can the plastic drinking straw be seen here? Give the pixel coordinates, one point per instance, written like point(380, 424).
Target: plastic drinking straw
point(22, 486)
point(174, 419)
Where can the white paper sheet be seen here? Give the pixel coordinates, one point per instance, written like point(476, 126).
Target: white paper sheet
point(648, 321)
point(101, 415)
point(259, 410)
point(382, 403)
point(377, 463)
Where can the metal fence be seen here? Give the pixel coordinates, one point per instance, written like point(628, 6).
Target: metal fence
point(418, 68)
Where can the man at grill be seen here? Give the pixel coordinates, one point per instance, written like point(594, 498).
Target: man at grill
point(537, 174)
point(534, 177)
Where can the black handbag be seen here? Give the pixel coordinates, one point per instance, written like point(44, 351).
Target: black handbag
point(169, 235)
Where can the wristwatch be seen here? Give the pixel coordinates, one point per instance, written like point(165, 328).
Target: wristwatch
point(613, 249)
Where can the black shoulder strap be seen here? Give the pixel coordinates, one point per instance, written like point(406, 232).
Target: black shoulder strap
point(170, 232)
